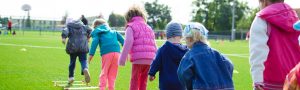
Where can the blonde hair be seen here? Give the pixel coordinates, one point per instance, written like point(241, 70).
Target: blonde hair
point(195, 32)
point(98, 22)
point(134, 11)
point(196, 36)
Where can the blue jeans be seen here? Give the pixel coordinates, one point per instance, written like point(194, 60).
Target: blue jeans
point(83, 62)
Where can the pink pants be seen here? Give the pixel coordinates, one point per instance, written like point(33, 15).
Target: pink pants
point(109, 70)
point(139, 77)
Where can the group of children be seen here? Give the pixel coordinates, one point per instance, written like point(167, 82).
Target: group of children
point(191, 66)
point(194, 66)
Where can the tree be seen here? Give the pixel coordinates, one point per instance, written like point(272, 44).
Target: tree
point(246, 21)
point(216, 14)
point(159, 14)
point(116, 20)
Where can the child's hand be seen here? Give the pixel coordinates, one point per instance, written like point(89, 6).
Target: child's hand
point(151, 78)
point(88, 39)
point(90, 58)
point(259, 88)
point(63, 40)
point(121, 63)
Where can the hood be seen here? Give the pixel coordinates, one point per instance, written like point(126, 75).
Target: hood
point(279, 15)
point(178, 50)
point(75, 24)
point(100, 29)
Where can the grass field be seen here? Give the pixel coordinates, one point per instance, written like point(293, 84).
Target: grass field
point(45, 61)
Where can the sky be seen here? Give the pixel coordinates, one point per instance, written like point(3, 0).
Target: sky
point(55, 9)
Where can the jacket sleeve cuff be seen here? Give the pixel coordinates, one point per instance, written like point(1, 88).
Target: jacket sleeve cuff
point(151, 73)
point(258, 84)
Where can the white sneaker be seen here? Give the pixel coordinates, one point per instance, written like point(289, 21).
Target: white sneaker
point(86, 75)
point(71, 80)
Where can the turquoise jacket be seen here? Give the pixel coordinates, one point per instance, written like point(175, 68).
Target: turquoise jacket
point(107, 39)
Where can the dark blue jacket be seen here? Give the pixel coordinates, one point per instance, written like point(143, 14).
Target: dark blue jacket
point(166, 62)
point(203, 68)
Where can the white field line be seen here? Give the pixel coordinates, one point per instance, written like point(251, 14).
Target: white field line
point(65, 81)
point(23, 38)
point(33, 46)
point(80, 88)
point(62, 85)
point(238, 55)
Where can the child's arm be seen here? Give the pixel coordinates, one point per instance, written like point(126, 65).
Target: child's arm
point(64, 35)
point(120, 38)
point(155, 66)
point(228, 64)
point(185, 73)
point(258, 49)
point(127, 46)
point(93, 48)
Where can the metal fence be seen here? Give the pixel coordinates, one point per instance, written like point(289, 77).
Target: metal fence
point(43, 25)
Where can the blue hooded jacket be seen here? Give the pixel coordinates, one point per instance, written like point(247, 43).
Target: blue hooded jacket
point(107, 39)
point(204, 68)
point(166, 62)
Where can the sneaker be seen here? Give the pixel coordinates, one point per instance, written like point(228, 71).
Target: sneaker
point(86, 75)
point(71, 80)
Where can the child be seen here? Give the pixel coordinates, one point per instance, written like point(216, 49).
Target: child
point(274, 48)
point(168, 58)
point(108, 41)
point(292, 81)
point(140, 44)
point(9, 26)
point(203, 68)
point(77, 46)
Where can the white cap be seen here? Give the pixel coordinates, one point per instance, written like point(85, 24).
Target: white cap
point(195, 26)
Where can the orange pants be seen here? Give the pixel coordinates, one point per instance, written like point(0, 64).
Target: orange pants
point(109, 70)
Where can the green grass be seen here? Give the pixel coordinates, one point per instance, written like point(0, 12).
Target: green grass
point(36, 67)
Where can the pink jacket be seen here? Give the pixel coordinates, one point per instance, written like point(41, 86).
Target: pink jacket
point(143, 47)
point(282, 43)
